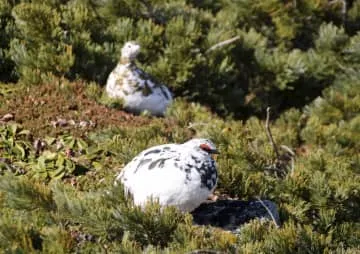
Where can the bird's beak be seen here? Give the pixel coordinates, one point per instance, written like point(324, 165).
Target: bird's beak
point(214, 154)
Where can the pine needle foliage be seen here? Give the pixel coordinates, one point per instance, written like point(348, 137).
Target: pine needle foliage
point(318, 200)
point(21, 194)
point(226, 62)
point(282, 50)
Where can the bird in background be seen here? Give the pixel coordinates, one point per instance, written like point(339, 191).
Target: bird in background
point(180, 175)
point(136, 88)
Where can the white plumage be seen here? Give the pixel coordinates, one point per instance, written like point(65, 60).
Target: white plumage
point(181, 175)
point(135, 87)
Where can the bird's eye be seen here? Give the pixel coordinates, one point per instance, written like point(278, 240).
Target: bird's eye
point(129, 46)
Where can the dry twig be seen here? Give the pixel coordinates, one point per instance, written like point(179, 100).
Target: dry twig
point(344, 8)
point(192, 125)
point(223, 43)
point(281, 159)
point(268, 133)
point(269, 212)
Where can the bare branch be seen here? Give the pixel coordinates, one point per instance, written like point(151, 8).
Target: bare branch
point(269, 212)
point(343, 9)
point(268, 133)
point(288, 149)
point(223, 43)
point(192, 125)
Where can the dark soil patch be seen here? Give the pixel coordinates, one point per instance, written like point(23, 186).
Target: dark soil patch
point(39, 108)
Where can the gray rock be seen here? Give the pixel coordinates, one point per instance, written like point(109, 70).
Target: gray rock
point(232, 214)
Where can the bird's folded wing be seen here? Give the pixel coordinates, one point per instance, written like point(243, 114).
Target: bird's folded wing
point(154, 158)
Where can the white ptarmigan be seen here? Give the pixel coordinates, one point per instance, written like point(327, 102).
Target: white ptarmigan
point(135, 87)
point(181, 175)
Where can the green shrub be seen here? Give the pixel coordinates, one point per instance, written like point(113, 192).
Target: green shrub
point(284, 55)
point(224, 61)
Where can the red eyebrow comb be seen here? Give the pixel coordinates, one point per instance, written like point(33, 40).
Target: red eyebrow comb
point(205, 147)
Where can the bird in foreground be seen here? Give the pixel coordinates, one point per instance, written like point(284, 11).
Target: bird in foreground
point(180, 175)
point(135, 87)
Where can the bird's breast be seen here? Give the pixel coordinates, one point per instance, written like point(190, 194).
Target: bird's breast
point(202, 166)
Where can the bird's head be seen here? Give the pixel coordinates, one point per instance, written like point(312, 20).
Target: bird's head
point(130, 50)
point(202, 144)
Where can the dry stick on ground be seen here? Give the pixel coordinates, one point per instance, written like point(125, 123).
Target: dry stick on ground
point(277, 223)
point(223, 43)
point(268, 133)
